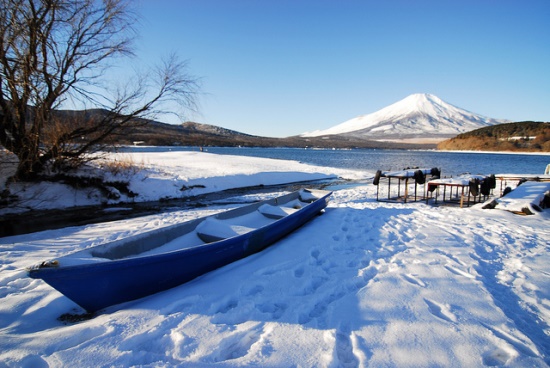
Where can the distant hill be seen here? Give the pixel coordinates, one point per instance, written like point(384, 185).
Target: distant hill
point(526, 136)
point(523, 136)
point(154, 133)
point(204, 135)
point(418, 116)
point(187, 134)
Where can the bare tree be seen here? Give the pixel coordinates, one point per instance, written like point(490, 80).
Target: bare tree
point(53, 50)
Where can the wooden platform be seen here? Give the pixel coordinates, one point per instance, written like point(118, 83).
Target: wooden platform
point(403, 186)
point(463, 190)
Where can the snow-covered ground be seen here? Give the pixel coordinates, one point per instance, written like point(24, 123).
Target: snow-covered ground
point(164, 175)
point(365, 284)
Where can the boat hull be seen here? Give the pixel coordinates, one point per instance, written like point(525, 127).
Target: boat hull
point(95, 286)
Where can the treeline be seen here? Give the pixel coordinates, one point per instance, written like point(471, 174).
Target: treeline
point(525, 136)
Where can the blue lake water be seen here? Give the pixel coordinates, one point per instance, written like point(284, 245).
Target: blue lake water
point(451, 163)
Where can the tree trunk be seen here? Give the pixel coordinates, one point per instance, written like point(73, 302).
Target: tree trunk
point(29, 165)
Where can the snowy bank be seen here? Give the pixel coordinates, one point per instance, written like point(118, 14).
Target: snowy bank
point(167, 175)
point(365, 284)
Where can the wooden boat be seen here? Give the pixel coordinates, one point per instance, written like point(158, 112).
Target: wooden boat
point(529, 198)
point(157, 260)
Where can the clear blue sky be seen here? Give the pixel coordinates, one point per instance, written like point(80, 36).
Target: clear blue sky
point(283, 67)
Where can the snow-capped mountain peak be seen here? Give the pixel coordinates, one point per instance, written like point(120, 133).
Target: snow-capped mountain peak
point(419, 115)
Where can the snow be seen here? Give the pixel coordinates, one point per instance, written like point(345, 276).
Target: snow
point(406, 173)
point(527, 197)
point(365, 284)
point(276, 212)
point(165, 175)
point(417, 114)
point(215, 229)
point(464, 180)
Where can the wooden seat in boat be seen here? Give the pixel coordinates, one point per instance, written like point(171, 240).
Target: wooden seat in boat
point(275, 212)
point(212, 230)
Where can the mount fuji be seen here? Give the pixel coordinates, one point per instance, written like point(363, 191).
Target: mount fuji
point(419, 116)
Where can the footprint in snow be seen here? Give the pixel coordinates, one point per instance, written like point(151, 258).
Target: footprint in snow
point(414, 280)
point(441, 310)
point(254, 290)
point(459, 272)
point(450, 257)
point(315, 253)
point(226, 306)
point(236, 346)
point(317, 260)
point(511, 345)
point(344, 349)
point(299, 272)
point(182, 344)
point(318, 311)
point(276, 310)
point(314, 283)
point(497, 358)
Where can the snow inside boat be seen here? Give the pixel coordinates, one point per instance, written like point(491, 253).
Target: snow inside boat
point(157, 260)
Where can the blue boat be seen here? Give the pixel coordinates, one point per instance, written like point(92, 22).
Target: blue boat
point(132, 268)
